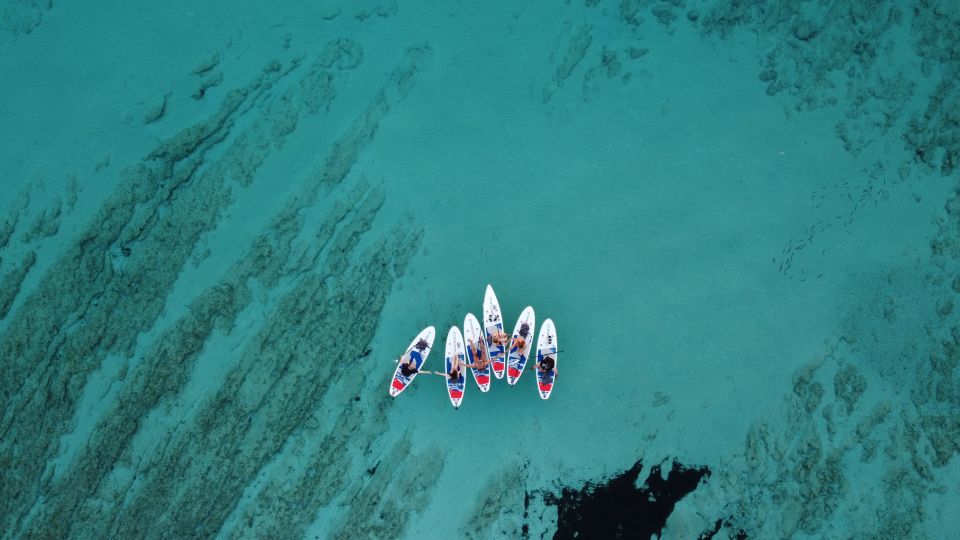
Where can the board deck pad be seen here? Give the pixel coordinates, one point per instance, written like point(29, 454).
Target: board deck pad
point(517, 359)
point(399, 383)
point(493, 322)
point(473, 339)
point(455, 387)
point(546, 346)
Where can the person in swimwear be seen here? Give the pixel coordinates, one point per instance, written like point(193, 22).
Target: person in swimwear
point(479, 361)
point(520, 341)
point(497, 337)
point(413, 360)
point(454, 373)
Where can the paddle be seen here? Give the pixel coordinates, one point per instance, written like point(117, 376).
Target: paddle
point(548, 354)
point(555, 375)
point(405, 353)
point(428, 372)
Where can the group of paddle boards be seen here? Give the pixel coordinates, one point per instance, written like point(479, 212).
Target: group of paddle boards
point(506, 357)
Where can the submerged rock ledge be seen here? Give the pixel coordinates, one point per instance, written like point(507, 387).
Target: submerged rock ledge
point(161, 461)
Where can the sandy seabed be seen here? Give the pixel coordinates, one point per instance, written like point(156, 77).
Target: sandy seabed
point(220, 224)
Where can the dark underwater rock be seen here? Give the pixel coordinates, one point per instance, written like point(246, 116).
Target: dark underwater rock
point(617, 508)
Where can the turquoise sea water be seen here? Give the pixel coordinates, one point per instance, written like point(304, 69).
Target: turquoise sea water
point(223, 221)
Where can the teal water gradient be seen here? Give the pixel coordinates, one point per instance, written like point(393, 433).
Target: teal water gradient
point(740, 218)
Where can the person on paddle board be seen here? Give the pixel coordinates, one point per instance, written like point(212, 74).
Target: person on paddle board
point(520, 342)
point(413, 359)
point(478, 360)
point(548, 368)
point(454, 373)
point(498, 337)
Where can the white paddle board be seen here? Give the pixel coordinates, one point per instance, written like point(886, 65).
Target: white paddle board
point(400, 382)
point(476, 350)
point(517, 356)
point(455, 387)
point(546, 346)
point(493, 323)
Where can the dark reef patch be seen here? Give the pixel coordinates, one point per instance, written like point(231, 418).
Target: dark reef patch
point(617, 508)
point(739, 534)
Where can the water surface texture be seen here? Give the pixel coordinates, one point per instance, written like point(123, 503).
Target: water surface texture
point(221, 222)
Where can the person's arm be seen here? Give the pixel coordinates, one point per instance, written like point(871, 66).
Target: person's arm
point(475, 363)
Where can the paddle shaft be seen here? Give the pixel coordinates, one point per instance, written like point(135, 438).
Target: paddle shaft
point(428, 372)
point(405, 353)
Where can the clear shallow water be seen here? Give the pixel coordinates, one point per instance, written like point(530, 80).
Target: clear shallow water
point(750, 272)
